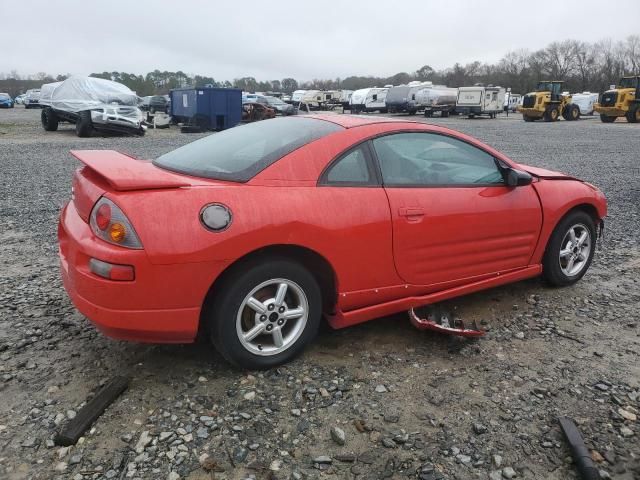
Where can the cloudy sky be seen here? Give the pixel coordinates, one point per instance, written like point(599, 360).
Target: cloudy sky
point(288, 38)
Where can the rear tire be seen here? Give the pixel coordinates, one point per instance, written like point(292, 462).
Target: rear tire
point(49, 119)
point(444, 114)
point(84, 127)
point(566, 259)
point(606, 118)
point(233, 316)
point(633, 115)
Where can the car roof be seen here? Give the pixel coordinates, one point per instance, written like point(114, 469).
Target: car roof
point(350, 121)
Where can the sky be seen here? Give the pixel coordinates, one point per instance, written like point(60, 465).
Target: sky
point(299, 39)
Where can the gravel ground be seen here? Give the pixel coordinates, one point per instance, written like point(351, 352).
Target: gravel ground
point(379, 400)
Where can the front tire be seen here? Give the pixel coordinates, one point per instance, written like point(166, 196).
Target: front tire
point(570, 249)
point(551, 114)
point(606, 118)
point(633, 115)
point(265, 313)
point(84, 127)
point(49, 119)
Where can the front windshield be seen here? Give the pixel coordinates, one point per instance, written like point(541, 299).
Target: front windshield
point(4, 96)
point(544, 87)
point(274, 101)
point(628, 82)
point(240, 153)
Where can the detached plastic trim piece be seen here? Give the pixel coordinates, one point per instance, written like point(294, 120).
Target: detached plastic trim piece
point(88, 414)
point(579, 451)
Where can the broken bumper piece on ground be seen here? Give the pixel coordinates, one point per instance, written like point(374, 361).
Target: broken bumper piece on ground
point(434, 318)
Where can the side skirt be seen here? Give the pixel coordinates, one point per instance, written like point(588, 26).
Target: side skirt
point(347, 319)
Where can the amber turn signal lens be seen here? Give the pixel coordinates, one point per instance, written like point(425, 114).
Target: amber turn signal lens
point(117, 232)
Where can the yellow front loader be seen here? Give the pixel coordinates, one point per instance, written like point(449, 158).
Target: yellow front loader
point(548, 103)
point(622, 101)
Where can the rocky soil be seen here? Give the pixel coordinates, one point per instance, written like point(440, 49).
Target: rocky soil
point(380, 400)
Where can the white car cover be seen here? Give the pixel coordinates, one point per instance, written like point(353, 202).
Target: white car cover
point(109, 102)
point(76, 94)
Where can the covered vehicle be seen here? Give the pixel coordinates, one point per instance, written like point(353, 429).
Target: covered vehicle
point(19, 100)
point(32, 98)
point(585, 102)
point(403, 98)
point(91, 104)
point(6, 101)
point(267, 228)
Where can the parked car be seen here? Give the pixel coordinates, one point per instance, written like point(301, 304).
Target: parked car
point(91, 104)
point(32, 98)
point(279, 106)
point(253, 111)
point(154, 103)
point(6, 101)
point(19, 100)
point(254, 98)
point(252, 235)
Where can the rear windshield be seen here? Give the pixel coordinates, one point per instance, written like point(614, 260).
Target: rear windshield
point(240, 153)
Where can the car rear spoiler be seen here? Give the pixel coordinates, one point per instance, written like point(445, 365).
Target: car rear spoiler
point(124, 173)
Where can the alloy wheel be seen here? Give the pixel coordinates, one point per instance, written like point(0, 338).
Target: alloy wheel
point(575, 250)
point(272, 317)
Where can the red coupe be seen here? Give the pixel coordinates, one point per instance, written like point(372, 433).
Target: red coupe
point(251, 236)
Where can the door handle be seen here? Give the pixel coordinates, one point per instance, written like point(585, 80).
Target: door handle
point(411, 212)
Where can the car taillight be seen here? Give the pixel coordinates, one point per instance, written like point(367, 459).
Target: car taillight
point(110, 224)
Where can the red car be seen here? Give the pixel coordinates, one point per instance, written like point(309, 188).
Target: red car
point(251, 236)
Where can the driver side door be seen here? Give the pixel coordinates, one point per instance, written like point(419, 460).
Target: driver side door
point(454, 219)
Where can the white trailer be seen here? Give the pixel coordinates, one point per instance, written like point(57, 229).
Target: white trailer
point(480, 100)
point(511, 101)
point(296, 97)
point(436, 98)
point(369, 100)
point(585, 102)
point(312, 99)
point(338, 98)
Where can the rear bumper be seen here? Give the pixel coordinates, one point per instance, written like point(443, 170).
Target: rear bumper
point(162, 304)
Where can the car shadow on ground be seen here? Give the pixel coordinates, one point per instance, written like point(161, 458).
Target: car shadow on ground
point(383, 336)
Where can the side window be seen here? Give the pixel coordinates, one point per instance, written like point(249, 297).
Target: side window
point(375, 97)
point(351, 169)
point(427, 159)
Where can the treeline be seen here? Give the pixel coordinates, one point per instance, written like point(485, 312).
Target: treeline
point(582, 65)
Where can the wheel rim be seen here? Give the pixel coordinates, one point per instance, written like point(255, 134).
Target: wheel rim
point(272, 317)
point(575, 250)
point(554, 114)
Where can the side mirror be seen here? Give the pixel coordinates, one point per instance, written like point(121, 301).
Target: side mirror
point(517, 178)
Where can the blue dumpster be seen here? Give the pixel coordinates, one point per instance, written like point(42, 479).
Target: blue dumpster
point(208, 108)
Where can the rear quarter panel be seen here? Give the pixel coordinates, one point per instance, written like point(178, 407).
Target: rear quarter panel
point(350, 227)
